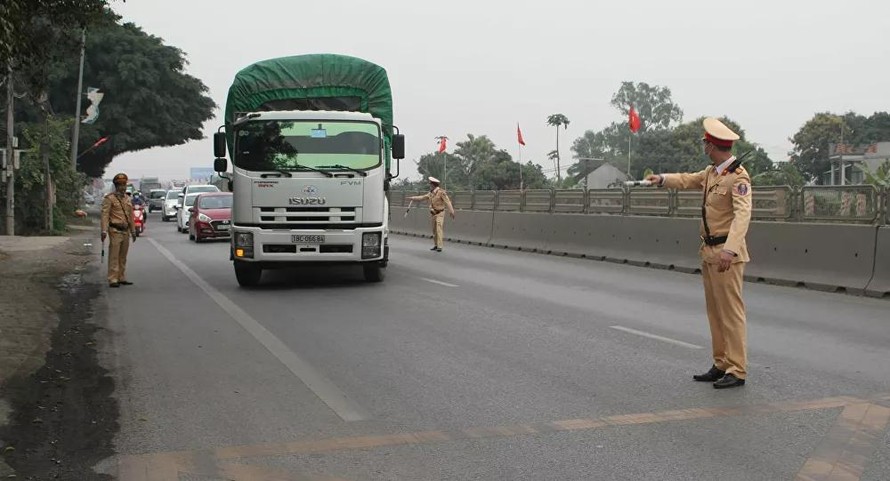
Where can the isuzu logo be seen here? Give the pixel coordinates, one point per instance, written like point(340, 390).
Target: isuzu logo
point(307, 201)
point(312, 198)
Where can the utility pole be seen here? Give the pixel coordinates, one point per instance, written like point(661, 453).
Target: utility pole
point(587, 170)
point(10, 152)
point(76, 135)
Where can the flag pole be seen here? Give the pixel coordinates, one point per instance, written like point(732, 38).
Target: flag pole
point(629, 138)
point(520, 168)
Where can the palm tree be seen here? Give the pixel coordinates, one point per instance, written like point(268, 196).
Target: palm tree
point(558, 120)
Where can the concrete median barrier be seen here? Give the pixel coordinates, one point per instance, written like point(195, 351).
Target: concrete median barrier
point(472, 227)
point(832, 257)
point(828, 257)
point(668, 243)
point(880, 281)
point(525, 231)
point(416, 223)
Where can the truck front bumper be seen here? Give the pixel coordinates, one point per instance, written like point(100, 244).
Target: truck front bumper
point(272, 246)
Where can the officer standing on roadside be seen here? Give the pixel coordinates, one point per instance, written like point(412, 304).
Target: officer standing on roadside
point(118, 227)
point(439, 201)
point(726, 213)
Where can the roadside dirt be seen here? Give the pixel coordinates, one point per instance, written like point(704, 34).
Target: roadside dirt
point(57, 414)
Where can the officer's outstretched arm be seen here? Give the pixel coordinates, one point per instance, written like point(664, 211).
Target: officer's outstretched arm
point(685, 181)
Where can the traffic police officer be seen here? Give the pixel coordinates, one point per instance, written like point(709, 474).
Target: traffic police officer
point(726, 213)
point(118, 227)
point(439, 201)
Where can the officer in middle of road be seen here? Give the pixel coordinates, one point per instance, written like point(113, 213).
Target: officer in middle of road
point(726, 214)
point(439, 201)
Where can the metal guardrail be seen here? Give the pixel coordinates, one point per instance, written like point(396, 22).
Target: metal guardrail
point(856, 204)
point(606, 201)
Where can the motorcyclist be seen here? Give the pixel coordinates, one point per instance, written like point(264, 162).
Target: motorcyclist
point(139, 203)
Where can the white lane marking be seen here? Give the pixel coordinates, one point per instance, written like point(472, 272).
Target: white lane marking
point(656, 337)
point(326, 391)
point(439, 282)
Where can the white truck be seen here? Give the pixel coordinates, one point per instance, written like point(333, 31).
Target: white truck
point(311, 141)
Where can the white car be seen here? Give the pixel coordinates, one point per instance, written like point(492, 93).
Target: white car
point(170, 202)
point(182, 212)
point(198, 188)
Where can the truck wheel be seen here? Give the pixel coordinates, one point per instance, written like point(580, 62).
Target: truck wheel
point(248, 275)
point(373, 272)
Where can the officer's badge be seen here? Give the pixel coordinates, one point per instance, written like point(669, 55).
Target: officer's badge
point(742, 189)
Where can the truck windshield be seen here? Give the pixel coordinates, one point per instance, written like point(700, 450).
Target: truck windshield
point(289, 144)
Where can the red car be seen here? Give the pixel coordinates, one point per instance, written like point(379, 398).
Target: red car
point(211, 216)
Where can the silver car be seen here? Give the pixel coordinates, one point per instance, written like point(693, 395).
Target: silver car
point(156, 200)
point(170, 202)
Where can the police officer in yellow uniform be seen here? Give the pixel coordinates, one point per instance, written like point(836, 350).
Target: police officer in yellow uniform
point(726, 213)
point(118, 227)
point(439, 201)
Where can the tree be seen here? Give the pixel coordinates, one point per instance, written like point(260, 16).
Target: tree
point(658, 113)
point(23, 26)
point(680, 149)
point(31, 179)
point(811, 142)
point(473, 153)
point(880, 177)
point(557, 120)
point(149, 100)
point(433, 164)
point(653, 104)
point(783, 173)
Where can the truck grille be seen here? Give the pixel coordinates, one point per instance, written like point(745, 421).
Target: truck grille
point(307, 215)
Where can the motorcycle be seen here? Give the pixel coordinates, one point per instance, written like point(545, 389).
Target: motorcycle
point(139, 218)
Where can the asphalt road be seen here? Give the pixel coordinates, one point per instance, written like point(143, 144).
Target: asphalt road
point(477, 363)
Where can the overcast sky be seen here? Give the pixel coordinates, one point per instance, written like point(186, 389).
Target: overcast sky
point(479, 67)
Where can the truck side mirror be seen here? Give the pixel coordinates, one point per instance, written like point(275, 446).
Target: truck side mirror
point(220, 164)
point(398, 146)
point(219, 145)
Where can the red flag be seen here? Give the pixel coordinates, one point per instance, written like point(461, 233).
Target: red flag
point(634, 120)
point(443, 141)
point(100, 142)
point(519, 135)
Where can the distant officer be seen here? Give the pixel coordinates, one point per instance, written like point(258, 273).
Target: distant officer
point(726, 213)
point(118, 227)
point(439, 201)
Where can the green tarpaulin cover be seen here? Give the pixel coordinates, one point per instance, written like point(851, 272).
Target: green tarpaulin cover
point(312, 82)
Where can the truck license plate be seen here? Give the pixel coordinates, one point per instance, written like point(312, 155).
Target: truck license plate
point(307, 239)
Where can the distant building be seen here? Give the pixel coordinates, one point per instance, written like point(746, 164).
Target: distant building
point(850, 162)
point(606, 176)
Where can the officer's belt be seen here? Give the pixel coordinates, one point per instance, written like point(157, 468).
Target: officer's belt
point(714, 240)
point(120, 227)
point(436, 212)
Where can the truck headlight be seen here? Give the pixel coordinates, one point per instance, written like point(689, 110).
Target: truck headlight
point(371, 245)
point(243, 245)
point(244, 239)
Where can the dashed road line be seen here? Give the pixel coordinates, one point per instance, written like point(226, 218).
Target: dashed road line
point(441, 283)
point(656, 337)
